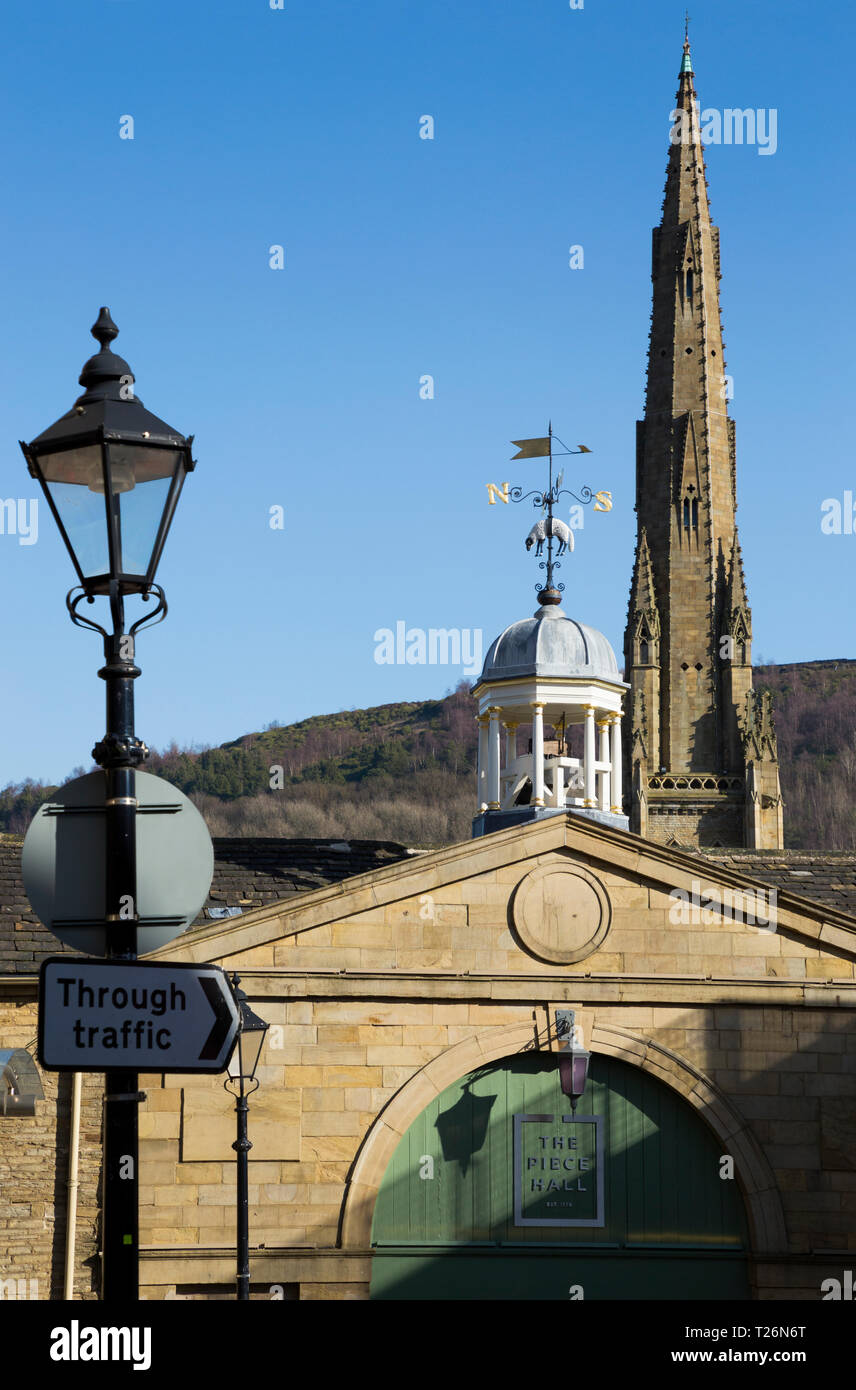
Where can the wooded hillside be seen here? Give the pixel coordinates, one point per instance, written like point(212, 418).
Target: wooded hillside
point(406, 772)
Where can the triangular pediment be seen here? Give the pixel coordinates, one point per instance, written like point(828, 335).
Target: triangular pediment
point(521, 902)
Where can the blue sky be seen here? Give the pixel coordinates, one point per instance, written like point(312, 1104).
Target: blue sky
point(403, 257)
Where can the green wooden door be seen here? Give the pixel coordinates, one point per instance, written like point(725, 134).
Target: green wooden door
point(626, 1201)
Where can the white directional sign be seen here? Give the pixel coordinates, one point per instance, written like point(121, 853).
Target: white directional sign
point(96, 1015)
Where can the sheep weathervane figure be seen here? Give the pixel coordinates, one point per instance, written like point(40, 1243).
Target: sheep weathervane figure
point(549, 527)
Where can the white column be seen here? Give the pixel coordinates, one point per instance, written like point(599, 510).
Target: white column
point(493, 759)
point(589, 759)
point(507, 787)
point(537, 753)
point(481, 780)
point(603, 725)
point(616, 765)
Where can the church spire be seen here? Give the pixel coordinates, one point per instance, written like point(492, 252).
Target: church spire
point(688, 686)
point(685, 496)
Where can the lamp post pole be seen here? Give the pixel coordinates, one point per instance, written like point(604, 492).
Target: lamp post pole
point(118, 753)
point(241, 1082)
point(242, 1148)
point(112, 473)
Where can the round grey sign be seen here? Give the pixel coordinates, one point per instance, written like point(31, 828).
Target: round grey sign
point(63, 863)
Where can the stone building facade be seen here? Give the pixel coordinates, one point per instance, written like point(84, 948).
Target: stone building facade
point(34, 1171)
point(387, 990)
point(715, 993)
point(36, 1106)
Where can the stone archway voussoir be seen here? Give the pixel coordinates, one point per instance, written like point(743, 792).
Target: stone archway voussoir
point(762, 1196)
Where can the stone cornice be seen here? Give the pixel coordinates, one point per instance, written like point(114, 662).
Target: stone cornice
point(691, 991)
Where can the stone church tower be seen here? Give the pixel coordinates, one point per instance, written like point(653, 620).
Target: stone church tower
point(701, 749)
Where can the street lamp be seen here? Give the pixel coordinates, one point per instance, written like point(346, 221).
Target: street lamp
point(112, 473)
point(573, 1059)
point(241, 1082)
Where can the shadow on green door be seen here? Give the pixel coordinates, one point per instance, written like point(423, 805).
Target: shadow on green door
point(623, 1201)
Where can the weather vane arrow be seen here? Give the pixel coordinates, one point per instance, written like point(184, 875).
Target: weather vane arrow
point(542, 448)
point(549, 528)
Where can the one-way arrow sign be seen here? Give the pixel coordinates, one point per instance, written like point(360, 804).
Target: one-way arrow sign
point(100, 1014)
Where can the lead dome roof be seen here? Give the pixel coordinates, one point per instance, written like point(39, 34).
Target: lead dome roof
point(550, 644)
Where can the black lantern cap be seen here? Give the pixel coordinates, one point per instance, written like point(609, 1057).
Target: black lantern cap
point(109, 407)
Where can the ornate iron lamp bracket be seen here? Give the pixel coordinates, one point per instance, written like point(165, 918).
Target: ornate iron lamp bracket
point(76, 596)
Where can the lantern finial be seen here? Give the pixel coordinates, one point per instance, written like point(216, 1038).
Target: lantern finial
point(104, 329)
point(105, 376)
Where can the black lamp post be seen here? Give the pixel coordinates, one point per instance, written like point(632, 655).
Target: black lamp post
point(241, 1082)
point(112, 473)
point(573, 1059)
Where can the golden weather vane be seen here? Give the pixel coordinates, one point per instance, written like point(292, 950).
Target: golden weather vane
point(548, 528)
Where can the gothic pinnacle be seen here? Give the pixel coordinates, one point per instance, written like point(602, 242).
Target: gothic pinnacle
point(686, 62)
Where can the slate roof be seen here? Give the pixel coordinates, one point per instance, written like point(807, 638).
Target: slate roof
point(825, 878)
point(248, 873)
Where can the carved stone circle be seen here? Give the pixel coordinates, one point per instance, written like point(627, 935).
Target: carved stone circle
point(561, 913)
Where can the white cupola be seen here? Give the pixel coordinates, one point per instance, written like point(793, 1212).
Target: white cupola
point(549, 671)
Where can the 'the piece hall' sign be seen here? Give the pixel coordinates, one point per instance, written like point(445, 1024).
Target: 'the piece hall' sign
point(558, 1170)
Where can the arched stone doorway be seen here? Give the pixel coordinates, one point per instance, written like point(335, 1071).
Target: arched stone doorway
point(495, 1191)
